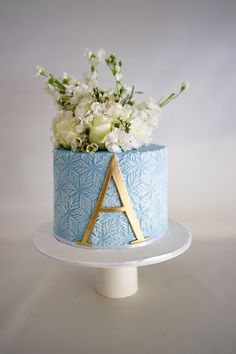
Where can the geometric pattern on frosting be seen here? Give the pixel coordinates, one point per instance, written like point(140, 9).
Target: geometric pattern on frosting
point(78, 179)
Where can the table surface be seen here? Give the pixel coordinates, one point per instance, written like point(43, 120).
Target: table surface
point(183, 306)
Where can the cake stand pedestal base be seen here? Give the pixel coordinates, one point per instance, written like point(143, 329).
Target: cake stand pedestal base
point(117, 282)
point(116, 270)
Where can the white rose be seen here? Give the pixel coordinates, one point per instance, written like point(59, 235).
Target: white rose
point(99, 130)
point(64, 129)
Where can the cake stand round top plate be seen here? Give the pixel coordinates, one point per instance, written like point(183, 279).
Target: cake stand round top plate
point(176, 241)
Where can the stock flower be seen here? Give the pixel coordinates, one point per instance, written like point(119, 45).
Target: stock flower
point(141, 132)
point(92, 79)
point(97, 108)
point(95, 58)
point(114, 110)
point(118, 77)
point(81, 89)
point(92, 117)
point(118, 140)
point(113, 147)
point(40, 71)
point(100, 55)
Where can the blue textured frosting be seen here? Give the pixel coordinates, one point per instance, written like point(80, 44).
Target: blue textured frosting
point(78, 179)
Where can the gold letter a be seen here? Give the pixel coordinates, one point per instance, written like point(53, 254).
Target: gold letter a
point(115, 172)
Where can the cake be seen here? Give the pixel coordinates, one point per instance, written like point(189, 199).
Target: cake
point(78, 181)
point(110, 181)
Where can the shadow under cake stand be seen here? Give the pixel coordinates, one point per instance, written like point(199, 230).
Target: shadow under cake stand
point(116, 270)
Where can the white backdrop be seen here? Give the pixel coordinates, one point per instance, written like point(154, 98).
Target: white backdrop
point(162, 44)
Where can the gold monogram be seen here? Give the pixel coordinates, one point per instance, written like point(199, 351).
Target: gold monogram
point(114, 172)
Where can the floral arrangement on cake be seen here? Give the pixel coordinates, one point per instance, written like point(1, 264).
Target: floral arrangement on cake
point(91, 117)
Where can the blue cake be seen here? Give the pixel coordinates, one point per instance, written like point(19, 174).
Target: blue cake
point(110, 200)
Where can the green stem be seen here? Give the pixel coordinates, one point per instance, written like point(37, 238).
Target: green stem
point(56, 83)
point(172, 96)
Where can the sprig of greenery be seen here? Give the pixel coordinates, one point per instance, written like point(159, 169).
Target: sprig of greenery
point(123, 124)
point(128, 98)
point(121, 94)
point(97, 94)
point(58, 84)
point(184, 87)
point(115, 68)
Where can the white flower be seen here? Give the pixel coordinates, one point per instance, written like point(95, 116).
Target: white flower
point(87, 119)
point(108, 94)
point(118, 76)
point(93, 79)
point(126, 113)
point(184, 86)
point(100, 55)
point(69, 89)
point(79, 112)
point(140, 132)
point(96, 57)
point(79, 128)
point(119, 138)
point(77, 143)
point(65, 76)
point(114, 110)
point(83, 115)
point(91, 116)
point(148, 111)
point(113, 148)
point(73, 100)
point(97, 108)
point(82, 89)
point(150, 105)
point(74, 81)
point(64, 129)
point(83, 106)
point(91, 147)
point(88, 53)
point(99, 130)
point(40, 71)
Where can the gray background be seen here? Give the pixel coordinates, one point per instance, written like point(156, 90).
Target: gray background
point(162, 44)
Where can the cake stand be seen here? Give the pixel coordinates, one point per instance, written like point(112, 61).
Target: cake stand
point(116, 270)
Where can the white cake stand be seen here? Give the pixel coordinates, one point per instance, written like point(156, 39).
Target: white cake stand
point(116, 274)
